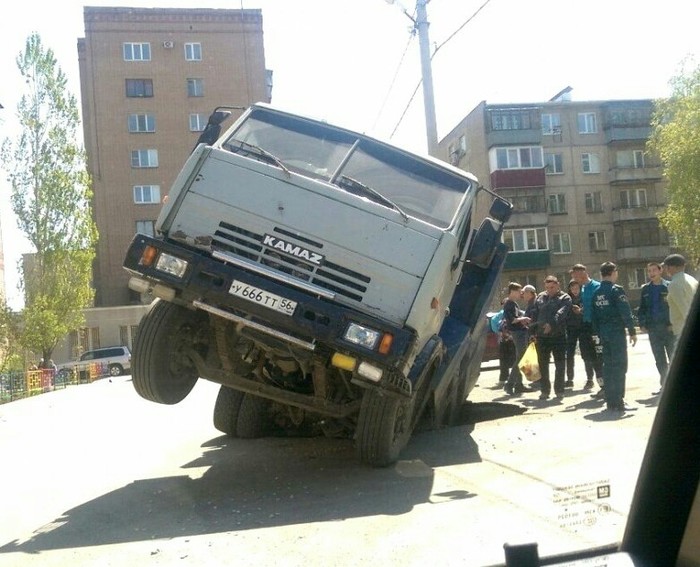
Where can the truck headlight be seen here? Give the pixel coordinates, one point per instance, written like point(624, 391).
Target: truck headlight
point(171, 265)
point(362, 336)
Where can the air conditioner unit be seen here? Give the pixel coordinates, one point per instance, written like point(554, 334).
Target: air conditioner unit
point(168, 44)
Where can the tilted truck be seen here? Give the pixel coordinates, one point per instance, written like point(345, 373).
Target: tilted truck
point(329, 282)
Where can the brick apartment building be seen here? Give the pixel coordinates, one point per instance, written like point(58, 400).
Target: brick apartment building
point(149, 79)
point(583, 186)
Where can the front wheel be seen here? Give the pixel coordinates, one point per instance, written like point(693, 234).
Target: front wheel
point(162, 371)
point(383, 428)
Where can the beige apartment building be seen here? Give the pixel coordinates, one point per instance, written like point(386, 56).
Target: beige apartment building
point(583, 186)
point(149, 80)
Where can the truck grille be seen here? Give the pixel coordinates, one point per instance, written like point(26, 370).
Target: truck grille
point(249, 245)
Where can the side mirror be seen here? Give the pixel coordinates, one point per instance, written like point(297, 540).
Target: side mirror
point(501, 210)
point(212, 131)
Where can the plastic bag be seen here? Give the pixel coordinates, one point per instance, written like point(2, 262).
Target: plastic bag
point(528, 364)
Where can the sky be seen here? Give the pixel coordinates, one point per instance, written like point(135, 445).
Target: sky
point(356, 63)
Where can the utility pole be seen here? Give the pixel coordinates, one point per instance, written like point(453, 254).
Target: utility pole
point(422, 24)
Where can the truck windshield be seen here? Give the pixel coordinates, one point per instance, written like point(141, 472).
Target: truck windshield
point(398, 179)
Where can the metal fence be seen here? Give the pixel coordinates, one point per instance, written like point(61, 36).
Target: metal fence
point(17, 385)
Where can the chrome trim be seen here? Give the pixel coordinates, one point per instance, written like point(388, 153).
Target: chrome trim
point(253, 267)
point(248, 323)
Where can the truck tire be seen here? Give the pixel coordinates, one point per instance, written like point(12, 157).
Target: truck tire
point(161, 370)
point(383, 428)
point(226, 410)
point(458, 397)
point(252, 417)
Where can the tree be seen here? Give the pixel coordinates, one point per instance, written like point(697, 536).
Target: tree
point(51, 198)
point(676, 139)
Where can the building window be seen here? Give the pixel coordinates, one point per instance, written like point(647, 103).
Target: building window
point(527, 203)
point(630, 159)
point(82, 340)
point(551, 124)
point(553, 164)
point(139, 88)
point(463, 143)
point(633, 198)
point(193, 51)
point(142, 123)
point(561, 243)
point(195, 87)
point(556, 204)
point(146, 194)
point(594, 202)
point(525, 239)
point(137, 51)
point(198, 122)
point(590, 163)
point(519, 158)
point(144, 158)
point(636, 277)
point(640, 233)
point(146, 227)
point(587, 123)
point(596, 241)
point(510, 120)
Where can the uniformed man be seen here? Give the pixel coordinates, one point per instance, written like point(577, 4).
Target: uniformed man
point(611, 314)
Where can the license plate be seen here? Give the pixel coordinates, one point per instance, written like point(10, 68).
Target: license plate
point(262, 297)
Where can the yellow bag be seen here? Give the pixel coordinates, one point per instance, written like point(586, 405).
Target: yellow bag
point(528, 364)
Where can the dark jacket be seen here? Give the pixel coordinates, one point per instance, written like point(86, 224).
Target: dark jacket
point(611, 310)
point(553, 310)
point(574, 320)
point(651, 315)
point(511, 311)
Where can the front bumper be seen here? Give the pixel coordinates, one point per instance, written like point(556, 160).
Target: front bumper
point(317, 323)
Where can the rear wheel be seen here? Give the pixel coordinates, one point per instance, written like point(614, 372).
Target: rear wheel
point(162, 371)
point(115, 370)
point(226, 410)
point(253, 417)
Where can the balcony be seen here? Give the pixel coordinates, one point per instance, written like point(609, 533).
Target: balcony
point(530, 137)
point(627, 133)
point(637, 213)
point(527, 219)
point(502, 178)
point(527, 260)
point(635, 174)
point(638, 253)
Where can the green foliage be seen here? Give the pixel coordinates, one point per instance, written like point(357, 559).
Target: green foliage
point(11, 353)
point(51, 197)
point(676, 139)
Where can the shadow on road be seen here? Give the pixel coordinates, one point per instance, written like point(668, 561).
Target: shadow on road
point(249, 484)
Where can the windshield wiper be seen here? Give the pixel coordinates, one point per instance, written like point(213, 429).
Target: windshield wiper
point(355, 186)
point(259, 152)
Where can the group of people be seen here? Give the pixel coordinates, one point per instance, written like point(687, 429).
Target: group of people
point(596, 316)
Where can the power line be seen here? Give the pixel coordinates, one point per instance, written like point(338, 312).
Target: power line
point(393, 80)
point(459, 29)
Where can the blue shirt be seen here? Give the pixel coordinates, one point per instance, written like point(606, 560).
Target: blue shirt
point(587, 292)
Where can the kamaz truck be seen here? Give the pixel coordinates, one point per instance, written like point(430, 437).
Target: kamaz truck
point(331, 283)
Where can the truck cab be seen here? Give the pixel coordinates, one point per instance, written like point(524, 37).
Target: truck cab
point(330, 282)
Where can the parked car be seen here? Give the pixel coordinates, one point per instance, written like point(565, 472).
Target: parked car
point(118, 359)
point(491, 348)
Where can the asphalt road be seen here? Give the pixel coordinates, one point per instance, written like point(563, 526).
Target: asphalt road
point(94, 475)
